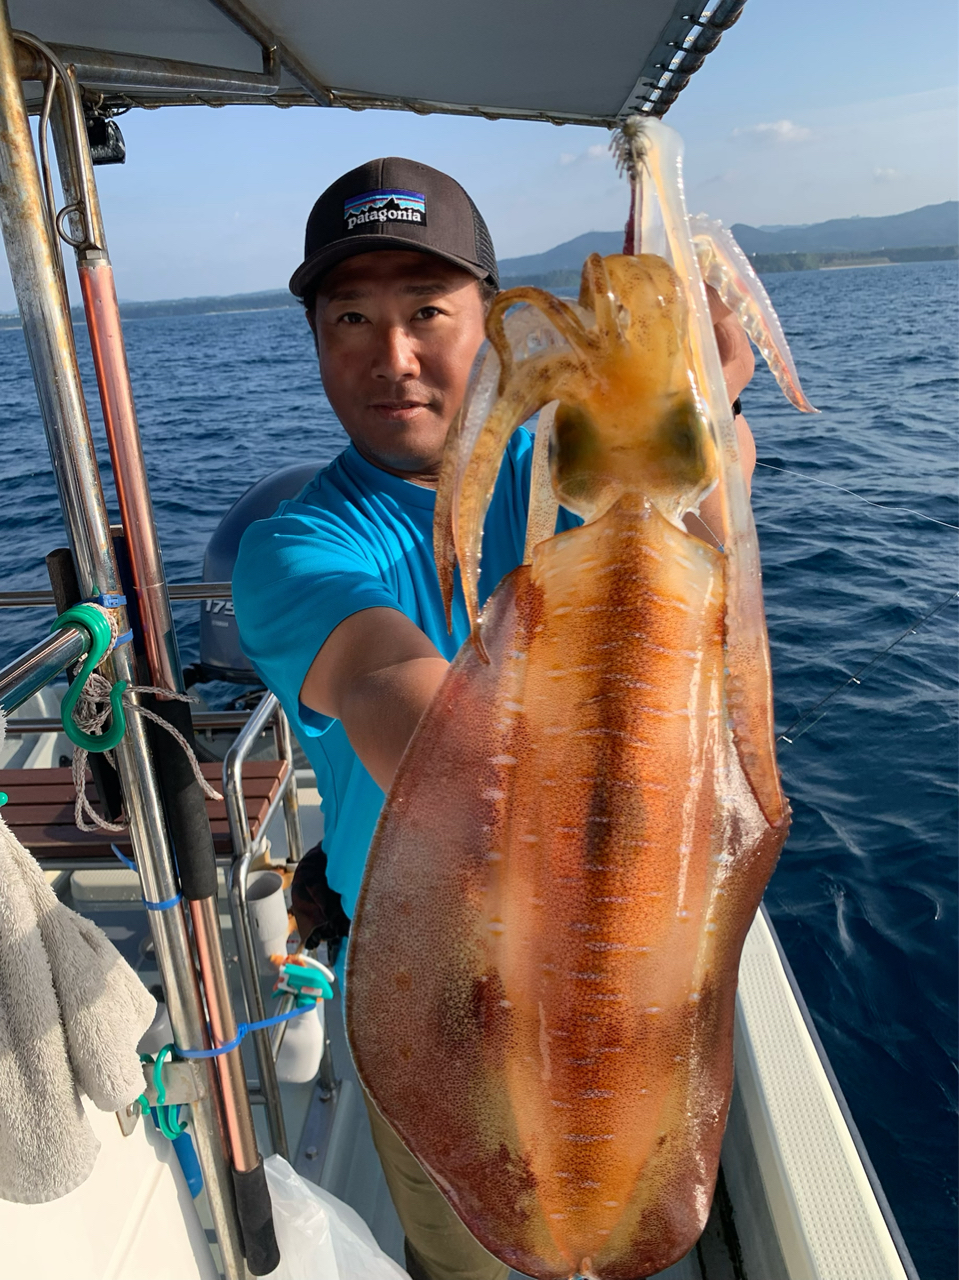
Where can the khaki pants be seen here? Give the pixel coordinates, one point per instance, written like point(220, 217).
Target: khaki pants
point(439, 1243)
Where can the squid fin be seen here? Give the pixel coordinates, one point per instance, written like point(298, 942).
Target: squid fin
point(543, 503)
point(726, 268)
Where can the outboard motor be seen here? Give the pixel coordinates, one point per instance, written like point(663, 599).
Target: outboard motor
point(221, 657)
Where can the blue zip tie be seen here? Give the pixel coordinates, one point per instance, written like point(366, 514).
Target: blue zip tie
point(112, 600)
point(132, 866)
point(242, 1030)
point(108, 599)
point(166, 904)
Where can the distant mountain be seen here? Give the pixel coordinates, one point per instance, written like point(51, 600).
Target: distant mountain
point(569, 256)
point(783, 248)
point(934, 224)
point(267, 300)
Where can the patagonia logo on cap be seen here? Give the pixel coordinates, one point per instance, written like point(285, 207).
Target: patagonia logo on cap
point(385, 206)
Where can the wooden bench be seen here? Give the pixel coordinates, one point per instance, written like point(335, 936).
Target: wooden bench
point(40, 811)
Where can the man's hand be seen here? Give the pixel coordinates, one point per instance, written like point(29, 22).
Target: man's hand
point(735, 353)
point(376, 674)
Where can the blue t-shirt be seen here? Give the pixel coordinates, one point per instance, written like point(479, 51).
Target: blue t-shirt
point(356, 538)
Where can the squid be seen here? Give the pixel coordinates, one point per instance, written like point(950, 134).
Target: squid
point(543, 963)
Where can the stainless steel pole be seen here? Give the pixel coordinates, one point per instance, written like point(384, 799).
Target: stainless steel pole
point(34, 670)
point(156, 619)
point(50, 344)
point(291, 801)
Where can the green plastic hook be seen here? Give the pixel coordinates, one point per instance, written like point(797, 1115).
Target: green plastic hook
point(97, 627)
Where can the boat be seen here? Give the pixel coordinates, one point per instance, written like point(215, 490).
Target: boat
point(797, 1198)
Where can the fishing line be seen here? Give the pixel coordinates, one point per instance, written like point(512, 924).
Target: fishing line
point(854, 678)
point(883, 506)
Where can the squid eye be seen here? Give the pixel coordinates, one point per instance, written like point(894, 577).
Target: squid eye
point(682, 444)
point(575, 446)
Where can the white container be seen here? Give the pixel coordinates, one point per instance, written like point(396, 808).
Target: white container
point(158, 1033)
point(268, 916)
point(299, 1058)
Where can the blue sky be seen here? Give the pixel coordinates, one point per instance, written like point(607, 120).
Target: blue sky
point(805, 112)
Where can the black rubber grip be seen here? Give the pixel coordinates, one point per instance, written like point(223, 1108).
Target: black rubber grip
point(125, 570)
point(255, 1213)
point(66, 593)
point(183, 802)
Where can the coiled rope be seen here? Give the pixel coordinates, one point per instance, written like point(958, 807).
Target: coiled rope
point(91, 713)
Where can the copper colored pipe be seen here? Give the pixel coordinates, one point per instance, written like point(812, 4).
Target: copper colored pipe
point(239, 1121)
point(123, 436)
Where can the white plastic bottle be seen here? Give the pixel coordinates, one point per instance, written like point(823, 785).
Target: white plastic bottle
point(299, 1058)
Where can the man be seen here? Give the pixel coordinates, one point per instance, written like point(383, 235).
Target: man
point(337, 597)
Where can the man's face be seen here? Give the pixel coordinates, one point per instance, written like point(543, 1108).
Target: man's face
point(397, 333)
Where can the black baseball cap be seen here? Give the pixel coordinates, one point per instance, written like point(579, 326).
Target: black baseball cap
point(393, 203)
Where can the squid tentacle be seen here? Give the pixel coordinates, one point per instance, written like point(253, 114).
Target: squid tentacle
point(747, 644)
point(726, 268)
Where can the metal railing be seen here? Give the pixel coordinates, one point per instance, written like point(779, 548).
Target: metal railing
point(175, 590)
point(246, 848)
point(50, 724)
point(36, 668)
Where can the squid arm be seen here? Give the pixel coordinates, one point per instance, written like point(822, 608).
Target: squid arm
point(531, 386)
point(543, 503)
point(444, 551)
point(597, 295)
point(559, 314)
point(726, 268)
point(553, 329)
point(460, 439)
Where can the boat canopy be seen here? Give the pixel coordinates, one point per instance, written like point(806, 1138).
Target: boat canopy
point(556, 60)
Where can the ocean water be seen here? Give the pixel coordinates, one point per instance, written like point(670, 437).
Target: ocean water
point(864, 897)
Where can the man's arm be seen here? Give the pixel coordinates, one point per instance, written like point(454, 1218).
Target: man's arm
point(739, 364)
point(376, 674)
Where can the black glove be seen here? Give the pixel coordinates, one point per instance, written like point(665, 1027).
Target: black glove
point(318, 908)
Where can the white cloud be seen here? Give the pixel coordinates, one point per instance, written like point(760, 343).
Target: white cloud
point(887, 175)
point(776, 133)
point(598, 151)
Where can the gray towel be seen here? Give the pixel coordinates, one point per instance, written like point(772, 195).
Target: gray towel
point(71, 1013)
